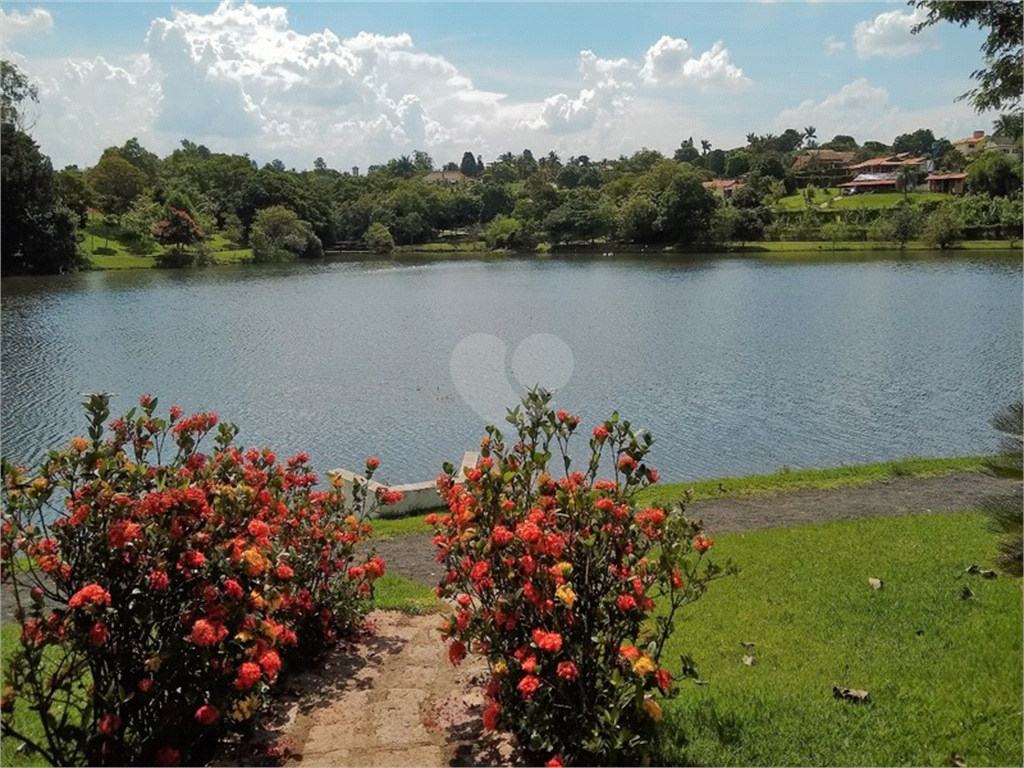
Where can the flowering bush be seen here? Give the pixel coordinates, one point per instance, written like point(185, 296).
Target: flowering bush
point(160, 589)
point(566, 587)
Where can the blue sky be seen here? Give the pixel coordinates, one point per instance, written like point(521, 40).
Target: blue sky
point(358, 83)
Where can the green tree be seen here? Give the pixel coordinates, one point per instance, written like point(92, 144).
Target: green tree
point(834, 232)
point(138, 223)
point(638, 220)
point(943, 227)
point(74, 192)
point(177, 229)
point(15, 91)
point(1010, 126)
point(951, 161)
point(810, 136)
point(468, 166)
point(116, 183)
point(842, 143)
point(737, 163)
point(687, 153)
point(378, 238)
point(723, 224)
point(905, 224)
point(1004, 512)
point(995, 174)
point(1001, 80)
point(906, 179)
point(278, 234)
point(39, 232)
point(503, 232)
point(917, 143)
point(714, 161)
point(1011, 219)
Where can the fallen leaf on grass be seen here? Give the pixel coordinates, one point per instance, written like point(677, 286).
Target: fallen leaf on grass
point(973, 569)
point(957, 760)
point(966, 593)
point(747, 644)
point(748, 660)
point(876, 583)
point(988, 574)
point(850, 694)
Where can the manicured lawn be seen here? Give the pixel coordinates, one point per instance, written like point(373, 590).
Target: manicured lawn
point(792, 480)
point(943, 673)
point(835, 201)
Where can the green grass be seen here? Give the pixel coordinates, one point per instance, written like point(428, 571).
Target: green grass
point(392, 592)
point(24, 720)
point(944, 674)
point(795, 479)
point(755, 485)
point(832, 199)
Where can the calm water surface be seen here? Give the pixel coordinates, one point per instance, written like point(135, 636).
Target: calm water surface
point(735, 366)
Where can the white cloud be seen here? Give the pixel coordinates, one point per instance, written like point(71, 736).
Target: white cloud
point(867, 112)
point(15, 23)
point(888, 35)
point(668, 62)
point(239, 78)
point(832, 44)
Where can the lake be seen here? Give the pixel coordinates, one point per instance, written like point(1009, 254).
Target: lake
point(736, 366)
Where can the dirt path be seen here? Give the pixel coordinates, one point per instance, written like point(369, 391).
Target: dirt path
point(413, 556)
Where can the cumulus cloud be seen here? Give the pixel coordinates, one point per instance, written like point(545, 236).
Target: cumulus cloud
point(14, 23)
point(888, 35)
point(668, 62)
point(868, 113)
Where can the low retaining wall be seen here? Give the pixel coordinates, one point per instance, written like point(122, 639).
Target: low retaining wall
point(416, 497)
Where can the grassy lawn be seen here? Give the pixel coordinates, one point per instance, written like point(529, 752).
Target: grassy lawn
point(943, 673)
point(392, 592)
point(833, 200)
point(756, 485)
point(792, 480)
point(24, 721)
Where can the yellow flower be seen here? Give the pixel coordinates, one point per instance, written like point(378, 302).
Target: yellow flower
point(566, 595)
point(244, 709)
point(564, 568)
point(270, 630)
point(257, 600)
point(351, 522)
point(337, 481)
point(501, 668)
point(652, 708)
point(79, 443)
point(254, 560)
point(244, 636)
point(643, 665)
point(153, 663)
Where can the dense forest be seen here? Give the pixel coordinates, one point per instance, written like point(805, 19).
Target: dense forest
point(171, 206)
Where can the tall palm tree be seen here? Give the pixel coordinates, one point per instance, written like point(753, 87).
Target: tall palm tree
point(751, 138)
point(705, 146)
point(811, 136)
point(508, 157)
point(906, 178)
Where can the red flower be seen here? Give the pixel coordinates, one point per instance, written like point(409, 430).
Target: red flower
point(479, 570)
point(501, 535)
point(554, 762)
point(626, 602)
point(528, 532)
point(677, 579)
point(629, 652)
point(98, 634)
point(456, 653)
point(122, 532)
point(90, 593)
point(193, 559)
point(207, 715)
point(529, 665)
point(567, 670)
point(664, 679)
point(158, 580)
point(168, 756)
point(233, 589)
point(375, 567)
point(562, 415)
point(547, 641)
point(372, 463)
point(284, 572)
point(528, 685)
point(175, 412)
point(205, 633)
point(626, 464)
point(145, 684)
point(701, 544)
point(600, 433)
point(356, 572)
point(248, 674)
point(271, 664)
point(258, 529)
point(110, 724)
point(491, 716)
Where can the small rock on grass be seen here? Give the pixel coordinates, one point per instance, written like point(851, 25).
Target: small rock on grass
point(850, 694)
point(876, 583)
point(748, 660)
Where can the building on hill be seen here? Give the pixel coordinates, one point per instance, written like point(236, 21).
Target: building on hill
point(972, 145)
point(822, 158)
point(447, 177)
point(723, 188)
point(950, 183)
point(879, 173)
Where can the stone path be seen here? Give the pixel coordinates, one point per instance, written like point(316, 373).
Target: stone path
point(391, 698)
